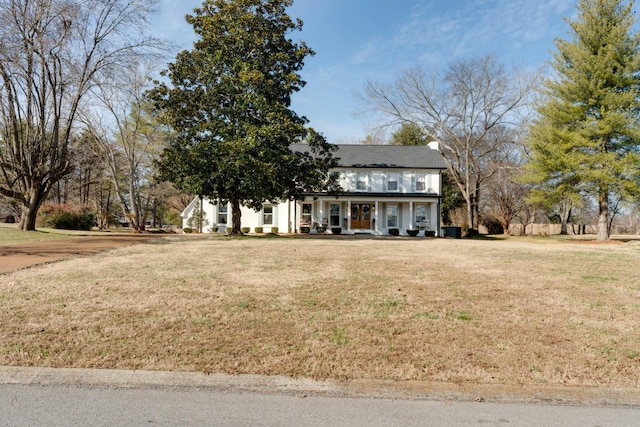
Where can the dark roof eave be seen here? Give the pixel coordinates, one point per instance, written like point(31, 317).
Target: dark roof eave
point(384, 166)
point(376, 195)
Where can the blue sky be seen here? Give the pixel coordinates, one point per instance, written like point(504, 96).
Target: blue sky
point(360, 40)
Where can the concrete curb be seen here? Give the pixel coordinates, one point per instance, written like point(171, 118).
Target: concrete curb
point(407, 390)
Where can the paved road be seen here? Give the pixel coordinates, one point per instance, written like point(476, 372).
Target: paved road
point(85, 397)
point(31, 405)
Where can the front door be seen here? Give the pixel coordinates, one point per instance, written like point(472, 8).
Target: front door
point(361, 215)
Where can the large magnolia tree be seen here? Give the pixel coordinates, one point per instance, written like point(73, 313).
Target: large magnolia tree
point(52, 51)
point(228, 100)
point(586, 140)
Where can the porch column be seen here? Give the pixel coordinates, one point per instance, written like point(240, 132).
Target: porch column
point(438, 226)
point(320, 212)
point(375, 217)
point(290, 224)
point(349, 215)
point(411, 215)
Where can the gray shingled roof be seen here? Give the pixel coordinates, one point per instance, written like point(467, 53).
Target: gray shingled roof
point(385, 156)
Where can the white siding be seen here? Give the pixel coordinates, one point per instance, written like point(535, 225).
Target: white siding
point(250, 218)
point(209, 209)
point(377, 181)
point(433, 183)
point(286, 216)
point(405, 182)
point(349, 181)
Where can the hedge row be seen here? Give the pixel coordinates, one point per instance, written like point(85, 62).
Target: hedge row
point(66, 217)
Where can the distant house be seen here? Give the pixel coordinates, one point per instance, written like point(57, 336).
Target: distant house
point(385, 189)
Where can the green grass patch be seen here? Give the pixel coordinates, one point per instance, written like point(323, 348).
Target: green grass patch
point(464, 316)
point(10, 235)
point(339, 337)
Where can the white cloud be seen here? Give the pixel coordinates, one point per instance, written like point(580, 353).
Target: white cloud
point(438, 33)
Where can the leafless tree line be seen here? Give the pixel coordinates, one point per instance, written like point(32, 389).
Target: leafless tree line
point(474, 108)
point(73, 124)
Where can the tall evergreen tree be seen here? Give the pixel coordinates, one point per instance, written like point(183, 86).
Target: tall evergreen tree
point(409, 134)
point(229, 105)
point(586, 139)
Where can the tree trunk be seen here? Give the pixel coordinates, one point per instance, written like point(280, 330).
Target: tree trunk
point(505, 223)
point(468, 195)
point(28, 220)
point(475, 224)
point(134, 217)
point(476, 219)
point(603, 216)
point(470, 212)
point(154, 214)
point(30, 210)
point(104, 208)
point(128, 215)
point(530, 221)
point(565, 216)
point(236, 218)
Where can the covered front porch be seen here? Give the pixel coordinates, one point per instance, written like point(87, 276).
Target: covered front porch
point(369, 215)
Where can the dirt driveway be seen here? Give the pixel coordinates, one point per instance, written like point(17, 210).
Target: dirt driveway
point(14, 257)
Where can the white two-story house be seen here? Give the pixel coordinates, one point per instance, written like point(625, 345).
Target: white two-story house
point(385, 189)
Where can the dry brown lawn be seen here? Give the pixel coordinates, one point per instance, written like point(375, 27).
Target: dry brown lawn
point(515, 311)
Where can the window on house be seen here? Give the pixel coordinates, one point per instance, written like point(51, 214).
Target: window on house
point(421, 181)
point(334, 217)
point(267, 215)
point(392, 215)
point(392, 181)
point(421, 214)
point(361, 181)
point(222, 213)
point(305, 219)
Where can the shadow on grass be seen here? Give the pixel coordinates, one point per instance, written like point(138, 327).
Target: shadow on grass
point(488, 237)
point(254, 236)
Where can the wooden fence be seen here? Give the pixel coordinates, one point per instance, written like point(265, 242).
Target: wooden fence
point(550, 229)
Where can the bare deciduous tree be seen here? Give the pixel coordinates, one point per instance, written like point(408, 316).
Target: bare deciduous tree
point(52, 52)
point(129, 139)
point(472, 108)
point(506, 196)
